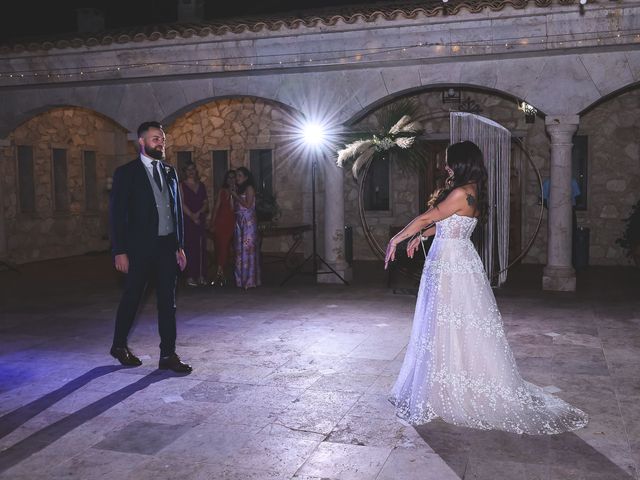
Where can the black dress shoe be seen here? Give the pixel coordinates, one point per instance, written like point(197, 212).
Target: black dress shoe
point(173, 362)
point(125, 356)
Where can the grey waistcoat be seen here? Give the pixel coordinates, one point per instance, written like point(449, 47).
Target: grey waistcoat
point(163, 204)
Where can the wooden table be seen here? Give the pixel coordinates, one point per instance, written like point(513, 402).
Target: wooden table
point(296, 231)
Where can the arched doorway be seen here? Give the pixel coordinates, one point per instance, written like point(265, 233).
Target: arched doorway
point(225, 133)
point(55, 189)
point(409, 192)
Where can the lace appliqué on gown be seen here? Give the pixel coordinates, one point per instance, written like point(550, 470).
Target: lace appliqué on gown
point(458, 364)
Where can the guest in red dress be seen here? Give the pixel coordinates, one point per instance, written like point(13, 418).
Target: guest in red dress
point(195, 206)
point(223, 223)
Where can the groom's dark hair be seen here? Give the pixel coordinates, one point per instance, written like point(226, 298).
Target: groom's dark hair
point(145, 126)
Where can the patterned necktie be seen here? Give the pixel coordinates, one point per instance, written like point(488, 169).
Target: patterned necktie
point(156, 174)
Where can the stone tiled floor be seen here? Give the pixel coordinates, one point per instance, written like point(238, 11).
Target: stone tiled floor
point(291, 383)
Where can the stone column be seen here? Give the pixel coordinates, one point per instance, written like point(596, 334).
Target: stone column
point(559, 274)
point(333, 223)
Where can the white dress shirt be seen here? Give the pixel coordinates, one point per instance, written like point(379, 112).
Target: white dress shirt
point(147, 163)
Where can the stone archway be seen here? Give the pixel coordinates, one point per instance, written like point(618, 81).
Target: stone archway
point(57, 166)
point(609, 129)
point(236, 127)
point(408, 202)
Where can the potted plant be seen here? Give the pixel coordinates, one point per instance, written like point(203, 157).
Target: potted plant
point(630, 239)
point(267, 209)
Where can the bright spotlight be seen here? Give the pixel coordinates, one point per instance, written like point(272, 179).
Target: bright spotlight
point(313, 134)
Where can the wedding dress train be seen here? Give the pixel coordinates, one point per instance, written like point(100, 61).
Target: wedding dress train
point(458, 364)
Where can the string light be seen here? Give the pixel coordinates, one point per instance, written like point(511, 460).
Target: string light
point(332, 56)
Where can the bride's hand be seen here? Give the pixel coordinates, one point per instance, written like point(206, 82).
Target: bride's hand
point(391, 253)
point(412, 246)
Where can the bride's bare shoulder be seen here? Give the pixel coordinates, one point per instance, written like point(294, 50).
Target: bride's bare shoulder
point(462, 192)
point(465, 195)
point(461, 199)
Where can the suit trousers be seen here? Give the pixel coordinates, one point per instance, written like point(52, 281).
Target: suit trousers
point(156, 265)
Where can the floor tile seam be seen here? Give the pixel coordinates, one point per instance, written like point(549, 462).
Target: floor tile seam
point(295, 474)
point(622, 417)
point(293, 405)
point(255, 470)
point(228, 461)
point(225, 383)
point(393, 449)
point(346, 413)
point(65, 461)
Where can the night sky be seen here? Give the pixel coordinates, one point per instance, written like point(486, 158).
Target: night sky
point(30, 18)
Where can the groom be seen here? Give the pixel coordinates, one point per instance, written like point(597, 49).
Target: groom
point(145, 213)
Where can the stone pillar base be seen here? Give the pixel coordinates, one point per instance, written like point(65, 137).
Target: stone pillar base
point(559, 279)
point(345, 272)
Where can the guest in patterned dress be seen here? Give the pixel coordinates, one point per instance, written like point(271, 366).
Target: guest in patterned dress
point(247, 273)
point(195, 206)
point(223, 223)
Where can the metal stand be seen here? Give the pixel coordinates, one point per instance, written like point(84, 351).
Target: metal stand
point(316, 259)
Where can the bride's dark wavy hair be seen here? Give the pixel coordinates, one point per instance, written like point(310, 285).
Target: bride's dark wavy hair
point(465, 159)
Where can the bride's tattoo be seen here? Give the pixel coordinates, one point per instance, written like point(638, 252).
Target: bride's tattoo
point(471, 200)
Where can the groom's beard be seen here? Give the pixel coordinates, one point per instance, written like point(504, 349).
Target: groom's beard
point(156, 153)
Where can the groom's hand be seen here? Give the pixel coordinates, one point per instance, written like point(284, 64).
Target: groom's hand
point(181, 258)
point(122, 263)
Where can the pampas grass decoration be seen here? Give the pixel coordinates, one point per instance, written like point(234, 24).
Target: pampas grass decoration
point(363, 151)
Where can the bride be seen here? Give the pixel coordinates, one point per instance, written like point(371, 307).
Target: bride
point(458, 364)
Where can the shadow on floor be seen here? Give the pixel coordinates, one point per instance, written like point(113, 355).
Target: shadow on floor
point(19, 416)
point(49, 434)
point(487, 455)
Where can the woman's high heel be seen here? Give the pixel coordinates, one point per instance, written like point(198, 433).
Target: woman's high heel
point(220, 281)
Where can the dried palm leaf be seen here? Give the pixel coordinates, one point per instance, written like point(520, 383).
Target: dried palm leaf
point(352, 150)
point(361, 161)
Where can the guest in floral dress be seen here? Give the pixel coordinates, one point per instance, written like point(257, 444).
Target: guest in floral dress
point(247, 272)
point(195, 206)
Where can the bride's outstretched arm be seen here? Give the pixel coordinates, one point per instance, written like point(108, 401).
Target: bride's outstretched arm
point(416, 241)
point(452, 204)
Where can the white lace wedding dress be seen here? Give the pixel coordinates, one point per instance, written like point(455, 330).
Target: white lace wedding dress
point(458, 364)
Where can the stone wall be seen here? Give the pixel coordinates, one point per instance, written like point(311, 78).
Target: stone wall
point(47, 233)
point(613, 129)
point(240, 125)
point(613, 178)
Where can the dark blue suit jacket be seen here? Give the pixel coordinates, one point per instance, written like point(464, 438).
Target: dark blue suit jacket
point(133, 215)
